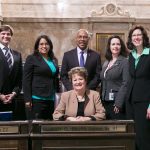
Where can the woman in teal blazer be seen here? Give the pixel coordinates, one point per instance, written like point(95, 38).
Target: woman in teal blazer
point(138, 94)
point(39, 79)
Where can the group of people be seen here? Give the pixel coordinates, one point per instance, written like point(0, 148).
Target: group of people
point(124, 80)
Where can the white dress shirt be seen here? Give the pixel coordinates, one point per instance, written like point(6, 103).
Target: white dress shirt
point(4, 51)
point(84, 55)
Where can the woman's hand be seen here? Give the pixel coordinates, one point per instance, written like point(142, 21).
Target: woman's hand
point(71, 119)
point(28, 105)
point(79, 118)
point(148, 113)
point(116, 109)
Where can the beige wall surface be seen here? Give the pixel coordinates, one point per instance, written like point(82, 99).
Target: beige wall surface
point(60, 19)
point(70, 8)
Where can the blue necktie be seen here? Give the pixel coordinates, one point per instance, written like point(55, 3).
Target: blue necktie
point(82, 59)
point(8, 57)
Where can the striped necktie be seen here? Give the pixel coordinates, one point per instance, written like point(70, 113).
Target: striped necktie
point(8, 57)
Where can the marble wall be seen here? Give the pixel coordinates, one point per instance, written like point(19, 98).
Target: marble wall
point(60, 19)
point(71, 8)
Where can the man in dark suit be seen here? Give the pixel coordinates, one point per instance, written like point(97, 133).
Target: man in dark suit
point(11, 70)
point(82, 56)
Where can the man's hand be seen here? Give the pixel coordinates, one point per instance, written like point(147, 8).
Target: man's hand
point(3, 98)
point(9, 97)
point(148, 113)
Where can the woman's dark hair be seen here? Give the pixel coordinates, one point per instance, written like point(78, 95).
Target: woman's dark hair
point(144, 35)
point(50, 53)
point(123, 50)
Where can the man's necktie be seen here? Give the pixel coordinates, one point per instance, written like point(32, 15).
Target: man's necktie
point(82, 59)
point(8, 57)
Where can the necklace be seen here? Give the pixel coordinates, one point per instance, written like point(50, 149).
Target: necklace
point(111, 63)
point(81, 98)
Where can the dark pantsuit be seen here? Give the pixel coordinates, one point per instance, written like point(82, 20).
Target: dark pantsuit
point(138, 99)
point(10, 79)
point(142, 135)
point(110, 114)
point(42, 109)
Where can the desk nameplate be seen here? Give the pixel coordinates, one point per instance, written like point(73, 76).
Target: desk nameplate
point(83, 128)
point(9, 129)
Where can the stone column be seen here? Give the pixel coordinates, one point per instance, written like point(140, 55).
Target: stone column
point(1, 18)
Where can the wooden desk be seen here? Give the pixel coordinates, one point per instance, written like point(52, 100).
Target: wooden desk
point(14, 135)
point(93, 135)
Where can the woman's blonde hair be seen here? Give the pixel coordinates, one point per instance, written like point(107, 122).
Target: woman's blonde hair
point(81, 71)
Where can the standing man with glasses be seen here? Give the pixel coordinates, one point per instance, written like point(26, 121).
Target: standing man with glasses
point(10, 70)
point(82, 56)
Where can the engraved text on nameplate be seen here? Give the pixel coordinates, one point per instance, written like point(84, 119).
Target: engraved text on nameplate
point(80, 128)
point(9, 129)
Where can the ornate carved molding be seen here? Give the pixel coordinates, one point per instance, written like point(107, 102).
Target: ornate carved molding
point(110, 10)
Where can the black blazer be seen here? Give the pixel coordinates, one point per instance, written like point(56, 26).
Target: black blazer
point(10, 80)
point(93, 66)
point(139, 82)
point(37, 77)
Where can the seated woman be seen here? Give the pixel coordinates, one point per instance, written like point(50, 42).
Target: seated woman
point(79, 104)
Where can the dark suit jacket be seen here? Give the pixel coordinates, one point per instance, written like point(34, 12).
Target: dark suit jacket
point(93, 66)
point(116, 79)
point(37, 78)
point(68, 105)
point(139, 82)
point(10, 81)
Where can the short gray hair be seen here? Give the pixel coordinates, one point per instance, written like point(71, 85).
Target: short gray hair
point(88, 33)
